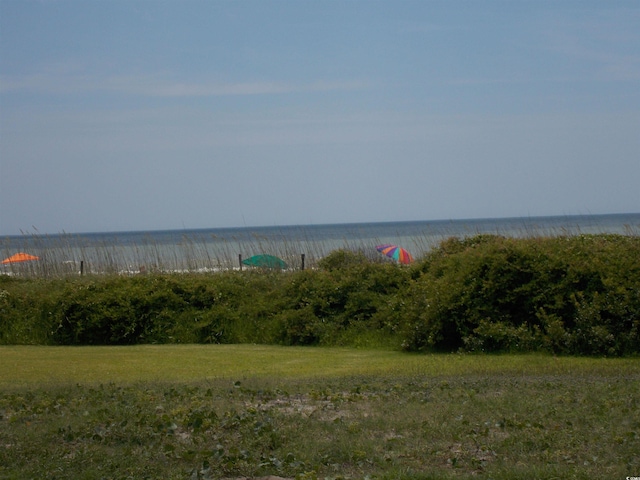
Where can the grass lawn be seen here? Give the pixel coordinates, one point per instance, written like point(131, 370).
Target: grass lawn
point(39, 366)
point(224, 411)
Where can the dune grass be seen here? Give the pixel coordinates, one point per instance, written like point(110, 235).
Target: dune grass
point(66, 254)
point(230, 411)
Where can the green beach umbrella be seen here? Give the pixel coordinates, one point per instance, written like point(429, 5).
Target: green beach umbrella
point(265, 261)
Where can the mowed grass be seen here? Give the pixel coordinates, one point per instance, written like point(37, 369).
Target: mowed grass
point(30, 366)
point(229, 411)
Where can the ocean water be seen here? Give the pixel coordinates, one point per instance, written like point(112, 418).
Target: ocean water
point(221, 248)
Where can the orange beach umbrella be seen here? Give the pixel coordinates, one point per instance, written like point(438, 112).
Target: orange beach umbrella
point(19, 257)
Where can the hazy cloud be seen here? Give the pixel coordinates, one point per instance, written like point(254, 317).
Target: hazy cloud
point(156, 86)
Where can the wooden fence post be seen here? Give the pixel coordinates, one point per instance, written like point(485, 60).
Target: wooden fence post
point(302, 258)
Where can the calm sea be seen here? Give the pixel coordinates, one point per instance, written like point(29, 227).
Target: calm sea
point(219, 248)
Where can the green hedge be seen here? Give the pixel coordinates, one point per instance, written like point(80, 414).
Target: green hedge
point(567, 295)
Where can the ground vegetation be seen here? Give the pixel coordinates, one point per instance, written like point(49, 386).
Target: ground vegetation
point(570, 295)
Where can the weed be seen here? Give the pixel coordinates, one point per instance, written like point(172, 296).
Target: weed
point(576, 420)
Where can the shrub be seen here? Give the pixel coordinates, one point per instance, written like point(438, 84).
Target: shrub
point(25, 310)
point(577, 295)
point(342, 260)
point(120, 310)
point(319, 307)
point(566, 295)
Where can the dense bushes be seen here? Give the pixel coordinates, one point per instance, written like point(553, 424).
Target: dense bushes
point(344, 302)
point(574, 295)
point(163, 309)
point(568, 295)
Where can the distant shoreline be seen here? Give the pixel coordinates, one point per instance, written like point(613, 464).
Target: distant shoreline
point(257, 228)
point(216, 249)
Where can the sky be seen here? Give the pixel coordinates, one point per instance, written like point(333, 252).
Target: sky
point(149, 115)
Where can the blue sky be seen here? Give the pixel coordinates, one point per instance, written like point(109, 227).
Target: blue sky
point(142, 115)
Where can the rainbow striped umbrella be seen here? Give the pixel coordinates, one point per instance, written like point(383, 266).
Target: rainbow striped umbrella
point(399, 254)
